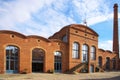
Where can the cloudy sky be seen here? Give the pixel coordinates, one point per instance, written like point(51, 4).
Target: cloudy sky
point(45, 17)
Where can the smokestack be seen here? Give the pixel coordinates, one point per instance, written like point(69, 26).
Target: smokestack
point(115, 30)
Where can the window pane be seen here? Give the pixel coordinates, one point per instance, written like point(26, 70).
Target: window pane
point(38, 54)
point(100, 61)
point(57, 61)
point(84, 53)
point(12, 58)
point(64, 38)
point(75, 50)
point(93, 53)
point(107, 63)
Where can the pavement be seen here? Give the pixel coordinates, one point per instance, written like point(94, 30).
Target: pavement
point(61, 76)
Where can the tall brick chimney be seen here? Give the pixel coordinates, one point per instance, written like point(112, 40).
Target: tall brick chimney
point(115, 30)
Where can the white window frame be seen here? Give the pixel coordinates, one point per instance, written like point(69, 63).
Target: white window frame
point(93, 53)
point(75, 50)
point(84, 53)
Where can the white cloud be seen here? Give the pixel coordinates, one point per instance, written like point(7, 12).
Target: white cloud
point(19, 11)
point(91, 8)
point(45, 17)
point(99, 18)
point(47, 27)
point(106, 45)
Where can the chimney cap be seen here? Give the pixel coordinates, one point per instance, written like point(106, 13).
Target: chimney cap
point(115, 5)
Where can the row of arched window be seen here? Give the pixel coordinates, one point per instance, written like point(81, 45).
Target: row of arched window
point(85, 49)
point(108, 62)
point(38, 56)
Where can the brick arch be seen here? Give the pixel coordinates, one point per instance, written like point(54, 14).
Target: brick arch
point(58, 51)
point(11, 44)
point(102, 50)
point(87, 46)
point(76, 42)
point(38, 47)
point(38, 50)
point(100, 61)
point(38, 60)
point(62, 53)
point(93, 46)
point(12, 55)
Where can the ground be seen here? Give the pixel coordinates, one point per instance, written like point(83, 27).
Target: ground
point(58, 76)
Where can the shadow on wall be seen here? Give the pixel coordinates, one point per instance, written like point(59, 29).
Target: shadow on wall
point(113, 78)
point(108, 63)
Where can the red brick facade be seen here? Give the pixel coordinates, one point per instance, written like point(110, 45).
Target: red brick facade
point(73, 48)
point(73, 33)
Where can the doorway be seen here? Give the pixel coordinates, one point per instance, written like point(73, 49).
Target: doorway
point(37, 67)
point(12, 60)
point(38, 60)
point(58, 61)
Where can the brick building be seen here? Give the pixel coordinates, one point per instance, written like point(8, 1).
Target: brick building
point(73, 48)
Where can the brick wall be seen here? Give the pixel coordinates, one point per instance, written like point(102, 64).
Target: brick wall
point(26, 44)
point(74, 33)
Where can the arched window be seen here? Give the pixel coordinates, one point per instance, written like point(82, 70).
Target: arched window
point(58, 61)
point(107, 63)
point(38, 56)
point(75, 50)
point(12, 60)
point(84, 53)
point(113, 63)
point(64, 38)
point(100, 61)
point(93, 53)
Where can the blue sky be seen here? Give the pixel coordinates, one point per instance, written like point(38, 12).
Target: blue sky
point(45, 17)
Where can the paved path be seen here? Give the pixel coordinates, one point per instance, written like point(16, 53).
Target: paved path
point(45, 76)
